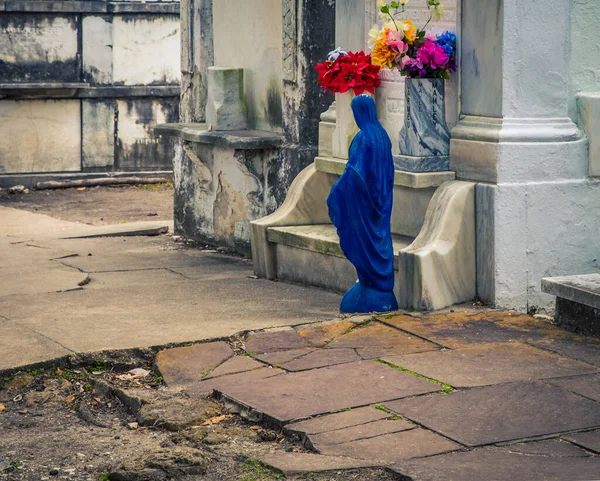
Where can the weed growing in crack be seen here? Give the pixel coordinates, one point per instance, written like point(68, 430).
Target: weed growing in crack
point(254, 470)
point(393, 416)
point(446, 387)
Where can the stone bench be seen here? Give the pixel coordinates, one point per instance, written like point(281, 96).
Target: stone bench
point(577, 302)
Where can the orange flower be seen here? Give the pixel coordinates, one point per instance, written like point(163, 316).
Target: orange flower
point(382, 54)
point(409, 30)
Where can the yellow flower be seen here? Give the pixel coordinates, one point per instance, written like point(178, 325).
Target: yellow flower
point(382, 54)
point(410, 32)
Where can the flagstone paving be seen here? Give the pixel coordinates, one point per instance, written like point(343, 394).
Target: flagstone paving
point(469, 395)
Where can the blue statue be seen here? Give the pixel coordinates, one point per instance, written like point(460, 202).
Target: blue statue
point(360, 206)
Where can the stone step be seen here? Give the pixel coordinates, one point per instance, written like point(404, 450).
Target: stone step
point(323, 238)
point(414, 180)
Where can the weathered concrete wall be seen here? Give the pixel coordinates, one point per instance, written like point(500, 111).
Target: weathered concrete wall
point(82, 83)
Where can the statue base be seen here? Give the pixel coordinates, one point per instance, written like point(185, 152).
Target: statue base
point(363, 299)
point(431, 163)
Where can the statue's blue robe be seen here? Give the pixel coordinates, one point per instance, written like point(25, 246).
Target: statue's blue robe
point(360, 202)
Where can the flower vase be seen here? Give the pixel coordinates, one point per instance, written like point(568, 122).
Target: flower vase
point(345, 126)
point(424, 140)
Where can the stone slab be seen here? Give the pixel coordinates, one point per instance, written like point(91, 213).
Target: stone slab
point(487, 415)
point(580, 348)
point(206, 387)
point(548, 447)
point(322, 358)
point(98, 133)
point(143, 50)
point(277, 358)
point(376, 335)
point(583, 289)
point(486, 364)
point(235, 365)
point(322, 238)
point(54, 124)
point(261, 342)
point(21, 346)
point(319, 336)
point(184, 365)
point(303, 394)
point(304, 463)
point(588, 386)
point(499, 465)
point(589, 440)
point(337, 421)
point(354, 433)
point(393, 448)
point(414, 180)
point(463, 329)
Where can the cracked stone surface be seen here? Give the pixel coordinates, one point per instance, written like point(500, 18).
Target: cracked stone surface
point(185, 365)
point(479, 365)
point(589, 440)
point(302, 394)
point(588, 386)
point(333, 422)
point(300, 463)
point(393, 448)
point(235, 365)
point(580, 348)
point(488, 415)
point(321, 358)
point(261, 342)
point(499, 464)
point(363, 431)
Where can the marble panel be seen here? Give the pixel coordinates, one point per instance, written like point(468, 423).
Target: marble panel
point(481, 57)
point(40, 136)
point(97, 55)
point(261, 58)
point(484, 230)
point(146, 49)
point(38, 48)
point(424, 141)
point(225, 106)
point(98, 133)
point(137, 147)
point(589, 116)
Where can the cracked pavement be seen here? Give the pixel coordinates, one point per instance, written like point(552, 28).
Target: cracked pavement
point(67, 288)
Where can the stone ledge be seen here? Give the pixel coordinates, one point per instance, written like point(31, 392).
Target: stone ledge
point(28, 6)
point(236, 139)
point(414, 180)
point(84, 90)
point(323, 238)
point(582, 289)
point(30, 180)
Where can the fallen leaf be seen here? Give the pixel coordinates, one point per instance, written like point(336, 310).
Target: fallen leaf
point(137, 373)
point(255, 428)
point(2, 408)
point(69, 398)
point(252, 277)
point(58, 371)
point(216, 420)
point(80, 188)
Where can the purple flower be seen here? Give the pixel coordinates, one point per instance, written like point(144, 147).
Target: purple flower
point(432, 55)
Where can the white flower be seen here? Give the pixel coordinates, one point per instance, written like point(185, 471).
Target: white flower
point(403, 2)
point(374, 34)
point(334, 54)
point(437, 11)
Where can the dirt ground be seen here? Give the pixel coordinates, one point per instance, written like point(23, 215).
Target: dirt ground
point(87, 424)
point(98, 205)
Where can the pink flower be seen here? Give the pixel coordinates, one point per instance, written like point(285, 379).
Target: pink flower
point(431, 36)
point(394, 41)
point(431, 54)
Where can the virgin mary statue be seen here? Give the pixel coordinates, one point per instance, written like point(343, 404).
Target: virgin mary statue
point(360, 206)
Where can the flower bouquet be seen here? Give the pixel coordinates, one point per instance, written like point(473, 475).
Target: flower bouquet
point(415, 52)
point(343, 71)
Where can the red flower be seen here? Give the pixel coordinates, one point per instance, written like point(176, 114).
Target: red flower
point(352, 71)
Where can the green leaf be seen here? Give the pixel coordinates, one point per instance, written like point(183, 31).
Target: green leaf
point(385, 9)
point(395, 4)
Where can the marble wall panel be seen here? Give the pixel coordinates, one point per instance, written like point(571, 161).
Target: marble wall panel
point(138, 148)
point(146, 49)
point(98, 128)
point(97, 46)
point(38, 48)
point(40, 136)
point(254, 44)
